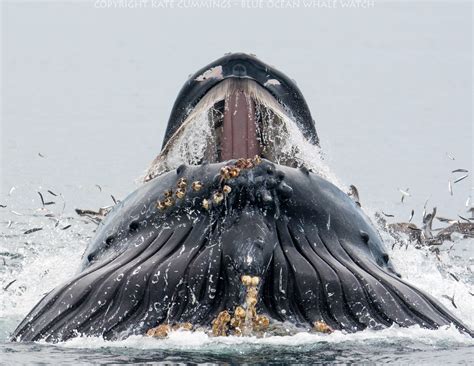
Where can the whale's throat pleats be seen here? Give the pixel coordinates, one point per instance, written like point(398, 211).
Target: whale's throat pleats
point(185, 262)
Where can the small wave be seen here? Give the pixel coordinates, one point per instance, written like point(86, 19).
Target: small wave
point(200, 341)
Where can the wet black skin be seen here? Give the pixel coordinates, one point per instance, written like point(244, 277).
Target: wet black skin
point(317, 254)
point(246, 252)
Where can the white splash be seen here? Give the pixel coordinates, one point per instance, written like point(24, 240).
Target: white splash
point(200, 341)
point(38, 262)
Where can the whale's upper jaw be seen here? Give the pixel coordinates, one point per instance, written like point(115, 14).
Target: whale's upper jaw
point(236, 107)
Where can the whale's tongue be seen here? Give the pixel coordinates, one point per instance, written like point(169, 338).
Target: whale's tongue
point(239, 138)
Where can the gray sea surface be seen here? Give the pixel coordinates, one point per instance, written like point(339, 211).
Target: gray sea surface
point(86, 90)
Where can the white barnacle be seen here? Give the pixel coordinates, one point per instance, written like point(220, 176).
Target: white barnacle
point(212, 73)
point(272, 82)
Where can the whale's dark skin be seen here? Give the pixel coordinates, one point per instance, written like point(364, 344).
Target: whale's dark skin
point(317, 254)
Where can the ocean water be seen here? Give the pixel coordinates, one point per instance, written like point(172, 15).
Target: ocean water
point(86, 93)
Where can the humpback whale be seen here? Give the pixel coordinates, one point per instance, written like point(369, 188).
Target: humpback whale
point(235, 234)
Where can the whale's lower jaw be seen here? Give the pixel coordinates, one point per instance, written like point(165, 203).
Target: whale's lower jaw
point(198, 244)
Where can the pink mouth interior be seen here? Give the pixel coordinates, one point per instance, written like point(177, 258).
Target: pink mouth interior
point(240, 129)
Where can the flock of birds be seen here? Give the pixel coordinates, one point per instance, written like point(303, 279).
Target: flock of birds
point(426, 235)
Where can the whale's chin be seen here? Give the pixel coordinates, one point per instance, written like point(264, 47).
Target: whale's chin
point(237, 118)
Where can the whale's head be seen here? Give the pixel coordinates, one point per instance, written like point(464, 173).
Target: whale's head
point(236, 107)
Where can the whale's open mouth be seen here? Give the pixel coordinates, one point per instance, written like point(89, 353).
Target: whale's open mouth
point(237, 118)
point(238, 128)
point(236, 107)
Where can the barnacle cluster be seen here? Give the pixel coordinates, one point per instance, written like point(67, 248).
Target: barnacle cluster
point(180, 193)
point(264, 186)
point(163, 330)
point(226, 173)
point(321, 327)
point(244, 321)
